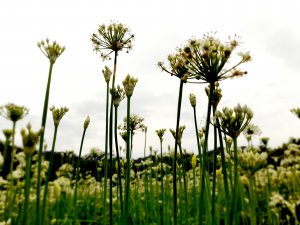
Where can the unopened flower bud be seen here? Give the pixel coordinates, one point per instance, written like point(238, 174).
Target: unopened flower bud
point(107, 73)
point(86, 122)
point(193, 100)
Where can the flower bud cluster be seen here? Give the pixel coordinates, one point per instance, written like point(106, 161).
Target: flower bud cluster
point(13, 112)
point(51, 50)
point(129, 84)
point(296, 112)
point(118, 94)
point(160, 133)
point(30, 139)
point(106, 73)
point(216, 96)
point(57, 114)
point(180, 132)
point(234, 121)
point(251, 161)
point(112, 38)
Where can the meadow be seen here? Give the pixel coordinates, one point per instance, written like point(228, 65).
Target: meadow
point(221, 184)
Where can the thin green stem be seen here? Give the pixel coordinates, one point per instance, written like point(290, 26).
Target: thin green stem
point(48, 174)
point(40, 151)
point(197, 136)
point(27, 190)
point(127, 180)
point(175, 153)
point(162, 185)
point(77, 173)
point(234, 213)
point(118, 159)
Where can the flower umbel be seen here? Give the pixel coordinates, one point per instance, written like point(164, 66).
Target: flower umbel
point(160, 133)
point(112, 38)
point(207, 58)
point(129, 84)
point(30, 139)
point(296, 112)
point(51, 50)
point(58, 114)
point(216, 96)
point(118, 94)
point(13, 112)
point(180, 132)
point(234, 121)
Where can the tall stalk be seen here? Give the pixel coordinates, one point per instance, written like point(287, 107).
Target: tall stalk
point(127, 180)
point(40, 151)
point(234, 212)
point(26, 217)
point(118, 160)
point(85, 126)
point(48, 174)
point(205, 149)
point(175, 152)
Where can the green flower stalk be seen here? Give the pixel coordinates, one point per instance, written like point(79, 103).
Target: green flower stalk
point(57, 115)
point(160, 133)
point(52, 51)
point(232, 123)
point(177, 67)
point(13, 113)
point(118, 95)
point(85, 126)
point(129, 85)
point(112, 39)
point(30, 140)
point(107, 75)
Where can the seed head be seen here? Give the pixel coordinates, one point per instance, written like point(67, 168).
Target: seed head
point(58, 114)
point(13, 112)
point(129, 84)
point(51, 50)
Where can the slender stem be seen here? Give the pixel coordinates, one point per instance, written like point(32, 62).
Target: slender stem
point(27, 190)
point(127, 189)
point(13, 152)
point(175, 153)
point(205, 149)
point(48, 174)
point(214, 171)
point(118, 159)
point(234, 214)
point(111, 143)
point(224, 170)
point(197, 136)
point(106, 147)
point(145, 144)
point(77, 173)
point(162, 185)
point(44, 118)
point(184, 179)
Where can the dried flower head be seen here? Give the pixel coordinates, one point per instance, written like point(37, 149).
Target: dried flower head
point(129, 84)
point(118, 94)
point(112, 38)
point(180, 132)
point(13, 112)
point(51, 50)
point(106, 73)
point(30, 139)
point(234, 121)
point(193, 100)
point(208, 56)
point(57, 114)
point(160, 133)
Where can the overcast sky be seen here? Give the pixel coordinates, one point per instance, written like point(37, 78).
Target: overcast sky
point(270, 30)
